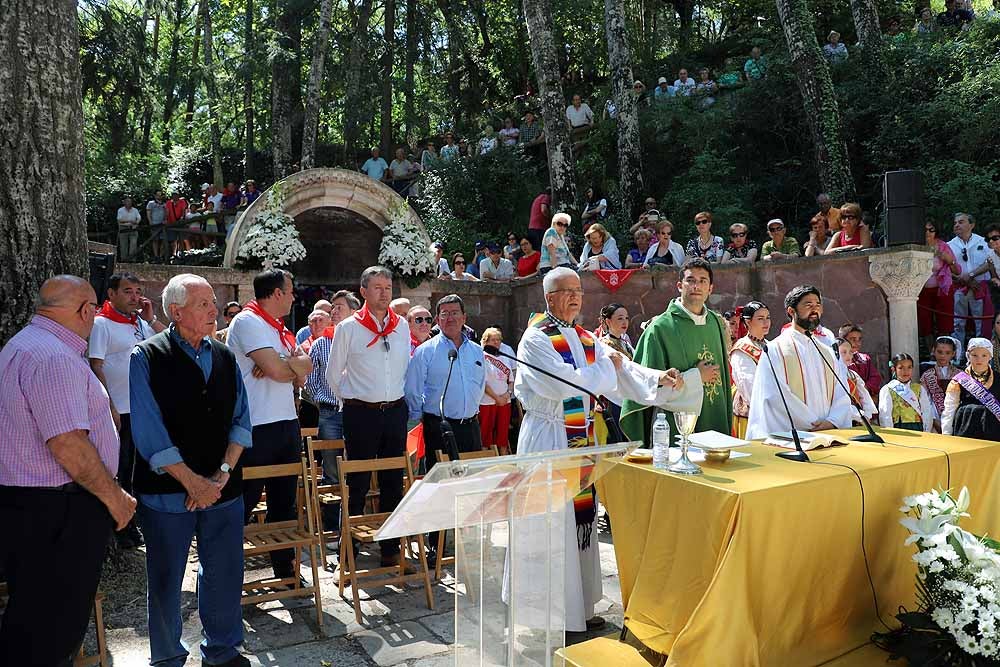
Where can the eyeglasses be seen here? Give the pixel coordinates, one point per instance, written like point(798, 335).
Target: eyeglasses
point(702, 222)
point(848, 216)
point(930, 229)
point(578, 291)
point(561, 224)
point(776, 228)
point(85, 304)
point(459, 263)
point(993, 238)
point(738, 235)
point(423, 320)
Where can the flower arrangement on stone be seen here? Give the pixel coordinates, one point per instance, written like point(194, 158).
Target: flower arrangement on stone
point(272, 238)
point(957, 621)
point(406, 249)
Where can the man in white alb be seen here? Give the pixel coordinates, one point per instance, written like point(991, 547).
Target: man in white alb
point(815, 398)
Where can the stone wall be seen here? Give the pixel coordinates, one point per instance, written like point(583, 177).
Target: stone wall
point(229, 284)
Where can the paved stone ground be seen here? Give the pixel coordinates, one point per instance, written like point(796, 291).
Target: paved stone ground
point(398, 630)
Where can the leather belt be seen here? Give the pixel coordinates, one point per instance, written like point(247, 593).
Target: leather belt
point(374, 406)
point(470, 420)
point(68, 487)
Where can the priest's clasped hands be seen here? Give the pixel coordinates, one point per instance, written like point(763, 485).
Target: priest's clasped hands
point(669, 378)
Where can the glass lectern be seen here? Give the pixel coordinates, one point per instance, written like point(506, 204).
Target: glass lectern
point(513, 521)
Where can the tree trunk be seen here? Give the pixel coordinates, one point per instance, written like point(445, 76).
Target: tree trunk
point(194, 79)
point(248, 130)
point(685, 17)
point(284, 78)
point(320, 47)
point(819, 99)
point(629, 146)
point(170, 100)
point(213, 96)
point(387, 63)
point(42, 215)
point(411, 60)
point(352, 84)
point(147, 113)
point(562, 168)
point(866, 24)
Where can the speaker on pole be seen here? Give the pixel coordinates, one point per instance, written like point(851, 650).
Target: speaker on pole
point(903, 200)
point(101, 257)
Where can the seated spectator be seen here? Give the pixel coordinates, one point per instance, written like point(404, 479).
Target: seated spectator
point(555, 250)
point(600, 251)
point(450, 149)
point(953, 16)
point(375, 166)
point(637, 255)
point(495, 267)
point(731, 76)
point(429, 157)
point(755, 67)
point(780, 246)
point(925, 24)
point(834, 50)
point(402, 172)
point(463, 148)
point(893, 28)
point(250, 192)
point(489, 141)
point(830, 213)
point(639, 91)
point(705, 245)
point(706, 88)
point(512, 250)
point(663, 91)
point(458, 261)
point(440, 261)
point(853, 235)
point(742, 249)
point(595, 209)
point(819, 237)
point(665, 252)
point(509, 133)
point(527, 265)
point(684, 85)
point(580, 118)
point(531, 136)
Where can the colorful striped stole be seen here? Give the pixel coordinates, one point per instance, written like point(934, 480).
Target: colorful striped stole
point(579, 429)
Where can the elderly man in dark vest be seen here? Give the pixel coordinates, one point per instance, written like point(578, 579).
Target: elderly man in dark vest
point(191, 422)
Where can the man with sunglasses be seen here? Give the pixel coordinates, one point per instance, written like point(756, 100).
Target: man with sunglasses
point(231, 310)
point(125, 320)
point(971, 252)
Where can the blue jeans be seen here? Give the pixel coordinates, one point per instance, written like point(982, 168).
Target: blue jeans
point(331, 427)
point(220, 580)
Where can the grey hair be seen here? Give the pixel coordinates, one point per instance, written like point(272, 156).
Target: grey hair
point(551, 278)
point(373, 271)
point(968, 216)
point(175, 293)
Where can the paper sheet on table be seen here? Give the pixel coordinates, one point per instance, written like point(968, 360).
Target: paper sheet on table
point(716, 440)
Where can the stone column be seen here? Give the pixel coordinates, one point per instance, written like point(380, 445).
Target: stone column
point(901, 275)
point(419, 295)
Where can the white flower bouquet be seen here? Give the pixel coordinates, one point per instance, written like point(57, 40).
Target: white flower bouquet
point(406, 249)
point(957, 622)
point(272, 238)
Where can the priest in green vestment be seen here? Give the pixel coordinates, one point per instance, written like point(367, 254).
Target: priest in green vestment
point(686, 336)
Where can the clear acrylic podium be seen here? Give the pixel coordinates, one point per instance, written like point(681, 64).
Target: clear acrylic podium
point(513, 520)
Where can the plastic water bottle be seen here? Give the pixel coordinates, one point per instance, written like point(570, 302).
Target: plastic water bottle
point(661, 441)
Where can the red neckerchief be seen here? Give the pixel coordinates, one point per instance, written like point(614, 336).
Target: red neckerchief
point(286, 336)
point(328, 333)
point(108, 311)
point(365, 319)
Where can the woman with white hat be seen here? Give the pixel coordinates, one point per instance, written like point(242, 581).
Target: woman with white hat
point(972, 401)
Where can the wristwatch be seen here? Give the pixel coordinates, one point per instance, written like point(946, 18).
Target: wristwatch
point(225, 467)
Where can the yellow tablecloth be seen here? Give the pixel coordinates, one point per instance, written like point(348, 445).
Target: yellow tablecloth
point(759, 562)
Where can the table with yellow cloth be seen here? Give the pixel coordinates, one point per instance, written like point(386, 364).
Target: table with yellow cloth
point(758, 561)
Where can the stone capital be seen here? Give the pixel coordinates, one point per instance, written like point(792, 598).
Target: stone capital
point(901, 274)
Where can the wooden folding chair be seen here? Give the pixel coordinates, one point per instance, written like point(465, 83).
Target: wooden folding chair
point(82, 659)
point(326, 495)
point(296, 534)
point(443, 458)
point(362, 528)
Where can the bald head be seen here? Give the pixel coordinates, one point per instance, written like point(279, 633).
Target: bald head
point(69, 301)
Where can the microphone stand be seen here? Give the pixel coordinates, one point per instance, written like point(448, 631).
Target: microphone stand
point(871, 436)
point(609, 418)
point(447, 433)
point(799, 454)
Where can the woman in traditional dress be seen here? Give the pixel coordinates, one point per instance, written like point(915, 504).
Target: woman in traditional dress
point(903, 403)
point(612, 330)
point(495, 405)
point(971, 405)
point(755, 320)
point(859, 392)
point(935, 380)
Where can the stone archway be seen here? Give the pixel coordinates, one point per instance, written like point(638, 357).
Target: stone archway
point(340, 216)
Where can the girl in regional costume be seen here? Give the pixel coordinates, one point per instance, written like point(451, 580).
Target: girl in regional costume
point(755, 320)
point(903, 403)
point(859, 392)
point(936, 380)
point(972, 402)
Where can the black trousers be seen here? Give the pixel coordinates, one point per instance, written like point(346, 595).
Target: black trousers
point(468, 437)
point(371, 433)
point(126, 454)
point(51, 553)
point(274, 444)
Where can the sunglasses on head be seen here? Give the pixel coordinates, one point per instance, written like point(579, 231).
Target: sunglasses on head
point(420, 319)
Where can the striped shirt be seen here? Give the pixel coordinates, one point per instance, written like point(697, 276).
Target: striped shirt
point(47, 389)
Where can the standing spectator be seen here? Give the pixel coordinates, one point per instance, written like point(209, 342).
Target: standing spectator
point(303, 333)
point(705, 245)
point(442, 263)
point(829, 212)
point(231, 310)
point(450, 150)
point(156, 215)
point(192, 426)
point(420, 321)
point(935, 305)
point(834, 50)
point(663, 91)
point(400, 306)
point(480, 255)
point(58, 498)
point(637, 255)
point(580, 118)
point(610, 110)
point(509, 133)
point(319, 321)
point(213, 199)
point(128, 230)
point(539, 217)
point(488, 143)
point(527, 265)
point(463, 148)
point(971, 251)
point(231, 200)
point(368, 362)
point(925, 24)
point(853, 234)
point(780, 246)
point(706, 88)
point(193, 239)
point(176, 209)
point(125, 319)
point(512, 250)
point(665, 251)
point(429, 158)
point(402, 172)
point(531, 135)
point(595, 210)
point(271, 366)
point(458, 261)
point(991, 266)
point(250, 192)
point(600, 251)
point(755, 67)
point(495, 406)
point(648, 218)
point(819, 239)
point(684, 85)
point(861, 363)
point(494, 267)
point(555, 250)
point(375, 166)
point(742, 249)
point(953, 16)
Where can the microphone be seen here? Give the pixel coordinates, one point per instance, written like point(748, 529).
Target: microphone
point(609, 418)
point(872, 436)
point(799, 454)
point(447, 433)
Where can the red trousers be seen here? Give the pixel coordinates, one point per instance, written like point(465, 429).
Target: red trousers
point(494, 423)
point(931, 323)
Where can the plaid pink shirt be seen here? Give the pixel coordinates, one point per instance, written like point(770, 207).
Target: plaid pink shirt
point(46, 389)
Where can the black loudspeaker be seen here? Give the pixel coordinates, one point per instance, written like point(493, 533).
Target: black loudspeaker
point(903, 199)
point(102, 267)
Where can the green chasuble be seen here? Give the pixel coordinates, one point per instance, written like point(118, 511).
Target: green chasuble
point(673, 340)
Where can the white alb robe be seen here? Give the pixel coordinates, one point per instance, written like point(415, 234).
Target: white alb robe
point(544, 429)
point(767, 414)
